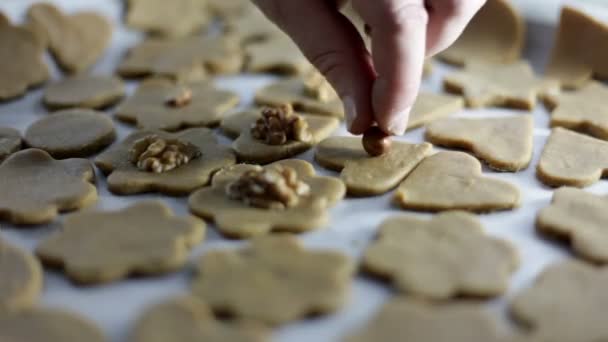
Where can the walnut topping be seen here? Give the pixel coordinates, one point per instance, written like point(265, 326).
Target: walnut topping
point(276, 188)
point(180, 97)
point(317, 86)
point(279, 125)
point(158, 155)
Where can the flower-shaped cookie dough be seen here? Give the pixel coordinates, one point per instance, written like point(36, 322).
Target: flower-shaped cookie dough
point(23, 65)
point(567, 302)
point(163, 104)
point(277, 53)
point(273, 280)
point(84, 91)
point(125, 177)
point(365, 175)
point(188, 319)
point(10, 142)
point(463, 261)
point(100, 247)
point(35, 187)
point(176, 18)
point(250, 149)
point(452, 181)
point(20, 278)
point(239, 219)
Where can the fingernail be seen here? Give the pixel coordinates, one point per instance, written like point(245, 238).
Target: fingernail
point(398, 125)
point(350, 111)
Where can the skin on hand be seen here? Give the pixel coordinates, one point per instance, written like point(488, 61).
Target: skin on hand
point(381, 85)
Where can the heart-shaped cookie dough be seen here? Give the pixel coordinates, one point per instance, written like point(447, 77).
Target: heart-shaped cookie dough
point(20, 278)
point(10, 142)
point(84, 91)
point(430, 107)
point(453, 180)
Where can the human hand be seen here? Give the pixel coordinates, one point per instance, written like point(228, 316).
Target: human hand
point(380, 86)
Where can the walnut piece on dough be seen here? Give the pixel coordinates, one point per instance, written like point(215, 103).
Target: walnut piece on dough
point(20, 278)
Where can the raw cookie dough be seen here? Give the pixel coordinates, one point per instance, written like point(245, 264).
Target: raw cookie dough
point(292, 91)
point(174, 18)
point(278, 54)
point(20, 278)
point(584, 110)
point(10, 142)
point(71, 133)
point(188, 319)
point(453, 180)
point(251, 25)
point(237, 219)
point(505, 143)
point(429, 107)
point(249, 149)
point(441, 258)
point(511, 85)
point(143, 239)
point(365, 175)
point(567, 302)
point(23, 65)
point(184, 59)
point(580, 49)
point(84, 91)
point(47, 325)
point(36, 187)
point(495, 35)
point(228, 9)
point(76, 41)
point(148, 108)
point(572, 159)
point(273, 280)
point(579, 218)
point(124, 178)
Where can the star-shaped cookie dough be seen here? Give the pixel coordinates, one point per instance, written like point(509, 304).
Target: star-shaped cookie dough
point(365, 175)
point(237, 219)
point(567, 302)
point(505, 143)
point(35, 187)
point(151, 108)
point(84, 91)
point(125, 178)
point(441, 258)
point(452, 181)
point(278, 54)
point(273, 280)
point(510, 85)
point(430, 107)
point(10, 142)
point(101, 247)
point(572, 159)
point(20, 278)
point(189, 319)
point(176, 18)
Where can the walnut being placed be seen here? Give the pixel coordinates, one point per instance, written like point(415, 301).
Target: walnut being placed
point(158, 155)
point(276, 188)
point(279, 125)
point(317, 86)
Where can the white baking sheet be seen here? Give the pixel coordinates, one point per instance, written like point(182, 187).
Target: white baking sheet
point(354, 221)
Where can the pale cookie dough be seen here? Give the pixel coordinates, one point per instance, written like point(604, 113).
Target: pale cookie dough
point(567, 302)
point(35, 187)
point(228, 9)
point(71, 133)
point(237, 219)
point(125, 178)
point(76, 41)
point(365, 175)
point(100, 247)
point(572, 159)
point(430, 107)
point(580, 49)
point(505, 143)
point(451, 181)
point(292, 91)
point(579, 218)
point(276, 54)
point(251, 25)
point(249, 149)
point(188, 319)
point(184, 59)
point(20, 278)
point(84, 91)
point(495, 35)
point(511, 85)
point(47, 325)
point(582, 111)
point(441, 258)
point(148, 108)
point(175, 18)
point(23, 65)
point(10, 142)
point(273, 280)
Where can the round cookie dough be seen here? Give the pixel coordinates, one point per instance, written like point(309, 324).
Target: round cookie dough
point(10, 142)
point(71, 133)
point(20, 278)
point(85, 91)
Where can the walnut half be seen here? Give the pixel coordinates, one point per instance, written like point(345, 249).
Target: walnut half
point(279, 125)
point(158, 155)
point(276, 188)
